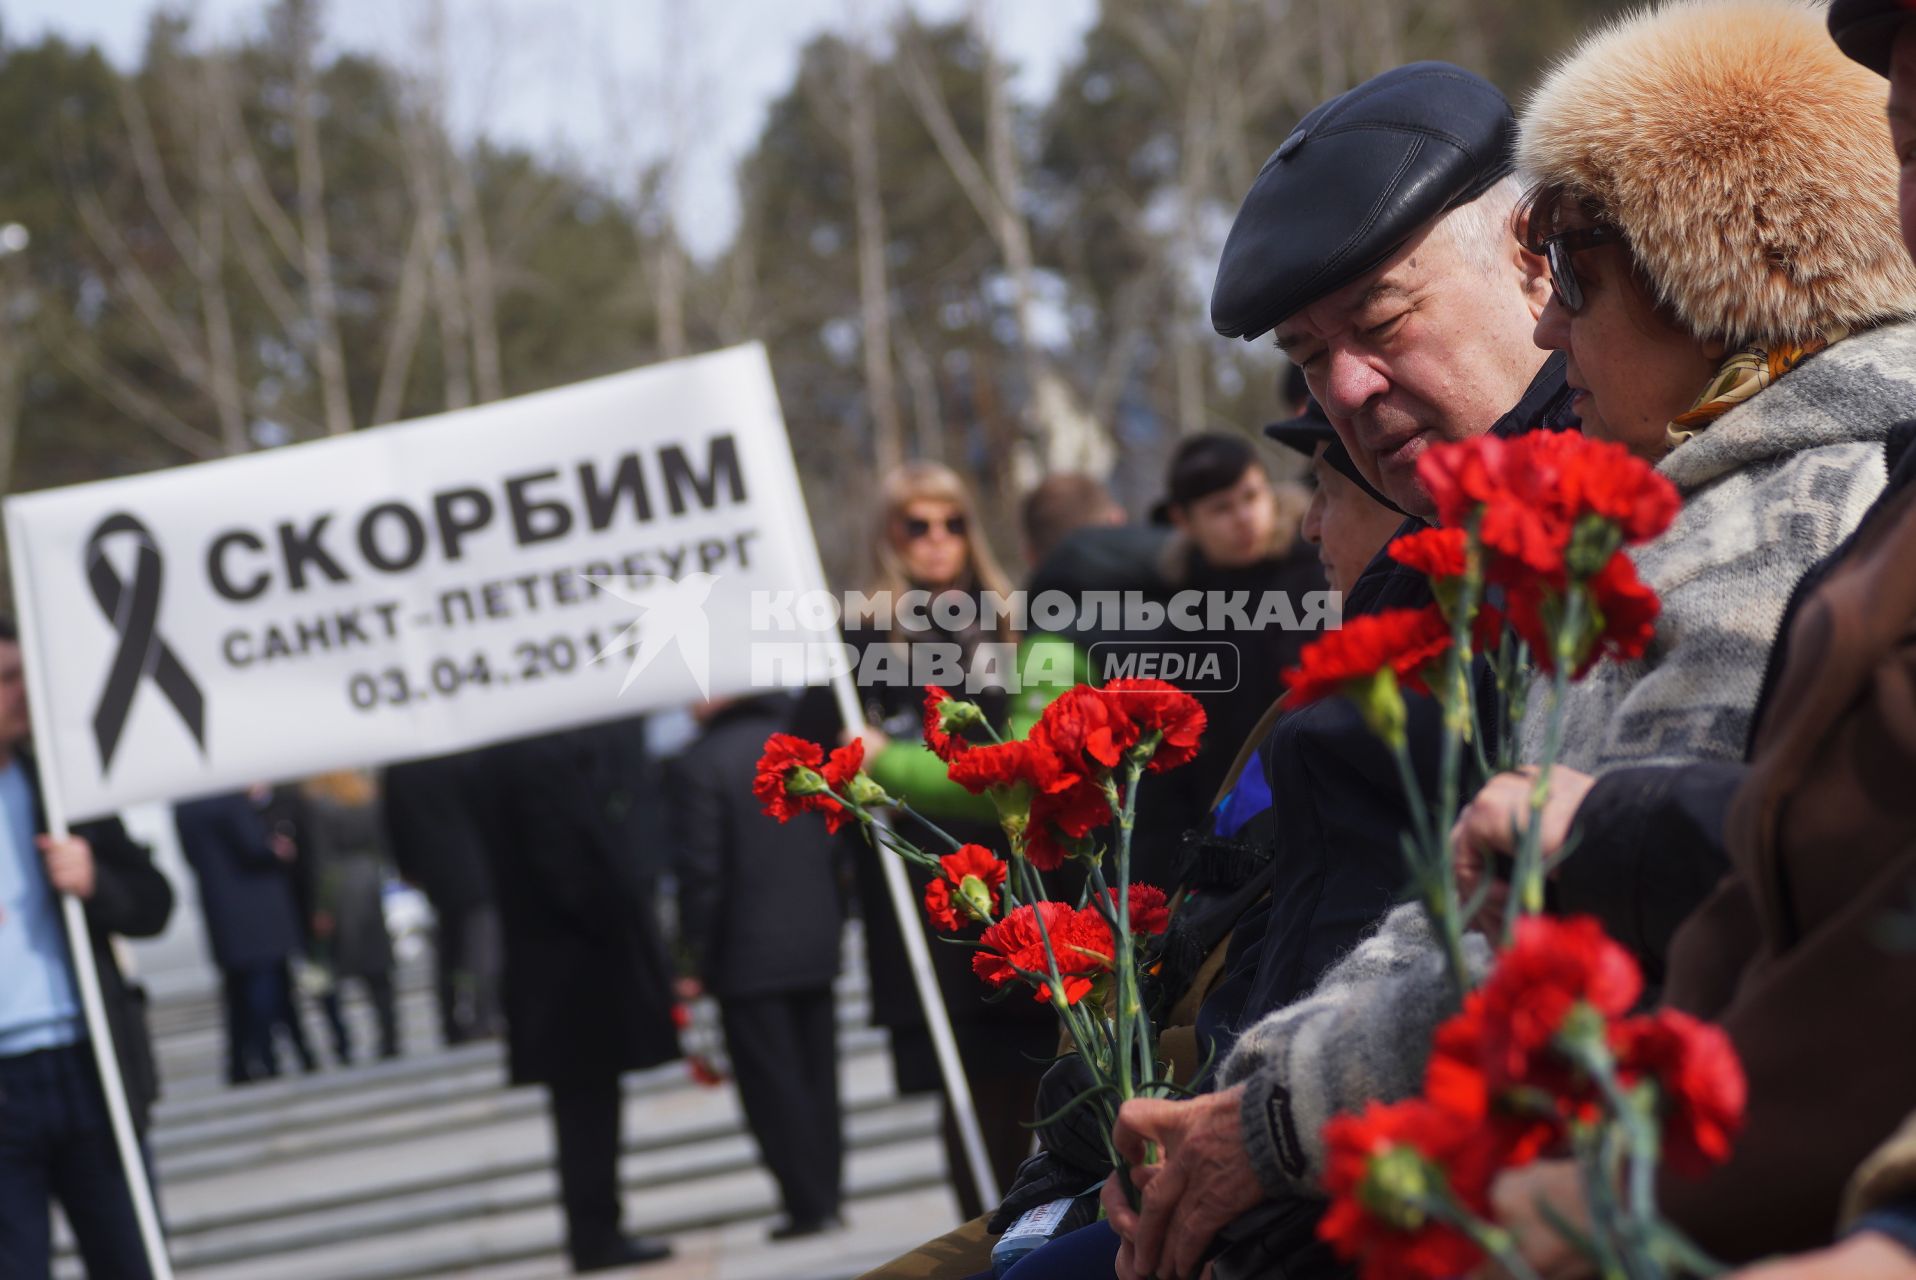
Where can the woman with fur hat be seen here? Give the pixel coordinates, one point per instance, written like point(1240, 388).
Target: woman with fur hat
point(1716, 202)
point(1714, 199)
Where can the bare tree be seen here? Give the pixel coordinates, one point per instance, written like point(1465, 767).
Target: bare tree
point(197, 339)
point(874, 288)
point(1060, 434)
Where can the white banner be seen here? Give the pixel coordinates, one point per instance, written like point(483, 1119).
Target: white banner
point(414, 589)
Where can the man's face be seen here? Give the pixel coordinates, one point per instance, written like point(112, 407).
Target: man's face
point(1232, 527)
point(15, 726)
point(1430, 347)
point(1902, 126)
point(1346, 525)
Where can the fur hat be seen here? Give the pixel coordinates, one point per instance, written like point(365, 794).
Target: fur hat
point(1745, 159)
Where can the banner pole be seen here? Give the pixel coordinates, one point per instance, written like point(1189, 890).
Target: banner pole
point(918, 952)
point(79, 935)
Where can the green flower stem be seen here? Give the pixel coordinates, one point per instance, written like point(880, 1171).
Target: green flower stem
point(1077, 1025)
point(1130, 1000)
point(1529, 872)
point(1430, 862)
point(1491, 1238)
point(904, 807)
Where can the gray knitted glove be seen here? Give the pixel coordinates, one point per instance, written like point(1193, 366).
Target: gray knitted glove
point(1364, 1034)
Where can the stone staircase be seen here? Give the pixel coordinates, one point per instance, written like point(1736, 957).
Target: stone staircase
point(429, 1165)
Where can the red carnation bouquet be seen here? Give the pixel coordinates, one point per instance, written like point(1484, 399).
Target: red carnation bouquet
point(1545, 1060)
point(1065, 791)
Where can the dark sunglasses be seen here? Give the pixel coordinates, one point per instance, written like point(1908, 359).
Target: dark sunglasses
point(1559, 249)
point(916, 528)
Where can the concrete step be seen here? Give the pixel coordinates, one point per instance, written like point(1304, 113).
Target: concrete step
point(517, 1234)
point(510, 1187)
point(418, 1113)
point(327, 1099)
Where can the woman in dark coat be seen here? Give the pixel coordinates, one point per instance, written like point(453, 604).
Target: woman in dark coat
point(587, 987)
point(344, 853)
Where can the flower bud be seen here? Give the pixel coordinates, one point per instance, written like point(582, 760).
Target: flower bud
point(975, 895)
point(1396, 1184)
point(954, 715)
point(805, 781)
point(1381, 704)
point(866, 793)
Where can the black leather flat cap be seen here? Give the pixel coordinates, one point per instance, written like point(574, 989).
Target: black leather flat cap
point(1357, 178)
point(1866, 29)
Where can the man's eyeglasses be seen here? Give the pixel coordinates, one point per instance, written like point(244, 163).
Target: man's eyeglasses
point(1559, 249)
point(916, 528)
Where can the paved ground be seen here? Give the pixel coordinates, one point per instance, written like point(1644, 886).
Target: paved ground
point(428, 1166)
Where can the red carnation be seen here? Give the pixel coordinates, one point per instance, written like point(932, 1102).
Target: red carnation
point(1000, 764)
point(939, 906)
point(788, 759)
point(1062, 819)
point(943, 745)
point(1154, 706)
point(975, 862)
point(1150, 911)
point(1085, 730)
point(1604, 479)
point(1552, 966)
point(1700, 1084)
point(1620, 615)
point(1404, 640)
point(1494, 479)
point(1530, 493)
point(1626, 609)
point(1080, 940)
point(844, 763)
point(1378, 1164)
point(1435, 553)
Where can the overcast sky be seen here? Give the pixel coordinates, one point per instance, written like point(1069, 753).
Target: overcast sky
point(537, 71)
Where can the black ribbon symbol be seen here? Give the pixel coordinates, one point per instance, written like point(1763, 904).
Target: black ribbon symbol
point(134, 613)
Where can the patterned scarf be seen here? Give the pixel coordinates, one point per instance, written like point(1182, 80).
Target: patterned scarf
point(1745, 373)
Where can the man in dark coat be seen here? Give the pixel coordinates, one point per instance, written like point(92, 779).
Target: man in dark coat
point(1417, 332)
point(760, 913)
point(587, 987)
point(248, 900)
point(437, 846)
point(56, 1138)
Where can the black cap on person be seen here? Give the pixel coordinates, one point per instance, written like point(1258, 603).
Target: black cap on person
point(1866, 29)
point(1311, 428)
point(1357, 178)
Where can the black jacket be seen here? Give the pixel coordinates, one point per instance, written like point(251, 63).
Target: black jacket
point(430, 831)
point(1338, 809)
point(131, 898)
point(1262, 656)
point(587, 986)
point(247, 896)
point(759, 905)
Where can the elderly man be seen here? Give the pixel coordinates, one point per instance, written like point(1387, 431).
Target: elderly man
point(1377, 244)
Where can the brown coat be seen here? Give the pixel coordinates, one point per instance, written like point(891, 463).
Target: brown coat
point(1790, 953)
